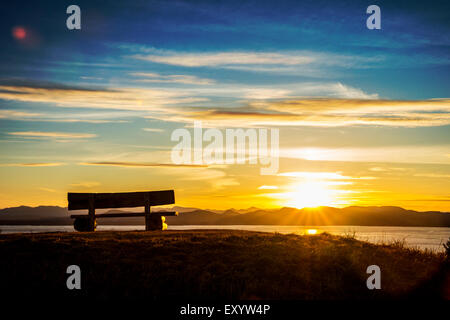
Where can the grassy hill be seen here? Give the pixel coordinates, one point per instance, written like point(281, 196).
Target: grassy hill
point(213, 264)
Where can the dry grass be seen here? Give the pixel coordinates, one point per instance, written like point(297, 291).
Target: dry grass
point(216, 264)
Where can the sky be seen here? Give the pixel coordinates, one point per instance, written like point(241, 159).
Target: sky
point(363, 115)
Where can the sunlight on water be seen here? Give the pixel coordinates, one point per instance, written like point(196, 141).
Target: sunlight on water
point(311, 231)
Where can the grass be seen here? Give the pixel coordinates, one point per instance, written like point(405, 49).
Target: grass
point(216, 265)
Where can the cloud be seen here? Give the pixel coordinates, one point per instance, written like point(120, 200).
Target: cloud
point(224, 183)
point(21, 115)
point(324, 112)
point(156, 101)
point(179, 172)
point(13, 114)
point(91, 78)
point(184, 79)
point(60, 120)
point(384, 169)
point(267, 187)
point(265, 93)
point(48, 190)
point(141, 164)
point(321, 175)
point(85, 184)
point(291, 91)
point(299, 62)
point(336, 112)
point(96, 121)
point(300, 104)
point(217, 59)
point(306, 90)
point(433, 175)
point(378, 169)
point(153, 129)
point(64, 135)
point(387, 154)
point(137, 99)
point(37, 164)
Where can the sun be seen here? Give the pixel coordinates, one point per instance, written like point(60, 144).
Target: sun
point(311, 194)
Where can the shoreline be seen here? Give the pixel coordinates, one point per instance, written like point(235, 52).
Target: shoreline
point(423, 238)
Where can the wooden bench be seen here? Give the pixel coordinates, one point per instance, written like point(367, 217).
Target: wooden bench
point(92, 201)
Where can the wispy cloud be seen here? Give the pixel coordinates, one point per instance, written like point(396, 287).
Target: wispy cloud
point(225, 58)
point(388, 169)
point(311, 63)
point(91, 78)
point(85, 184)
point(23, 115)
point(48, 189)
point(223, 183)
point(177, 78)
point(13, 114)
point(149, 101)
point(294, 90)
point(264, 187)
point(433, 175)
point(36, 164)
point(326, 112)
point(153, 129)
point(95, 121)
point(141, 164)
point(64, 135)
point(80, 97)
point(343, 105)
point(387, 154)
point(290, 105)
point(321, 175)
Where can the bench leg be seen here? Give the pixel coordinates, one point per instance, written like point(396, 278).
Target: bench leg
point(84, 224)
point(92, 220)
point(153, 222)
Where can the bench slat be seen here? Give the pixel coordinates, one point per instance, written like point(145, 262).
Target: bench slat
point(78, 201)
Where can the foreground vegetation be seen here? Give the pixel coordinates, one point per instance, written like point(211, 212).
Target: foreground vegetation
point(213, 264)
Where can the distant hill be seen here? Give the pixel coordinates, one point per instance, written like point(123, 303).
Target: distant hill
point(362, 216)
point(42, 215)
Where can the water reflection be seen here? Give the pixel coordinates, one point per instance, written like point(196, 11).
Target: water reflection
point(416, 237)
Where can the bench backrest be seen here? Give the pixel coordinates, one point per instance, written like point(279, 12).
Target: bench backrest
point(78, 201)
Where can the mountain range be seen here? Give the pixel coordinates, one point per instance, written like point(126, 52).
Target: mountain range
point(354, 215)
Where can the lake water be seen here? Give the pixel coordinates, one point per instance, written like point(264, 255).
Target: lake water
point(415, 237)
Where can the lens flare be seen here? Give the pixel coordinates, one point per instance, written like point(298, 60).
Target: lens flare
point(19, 33)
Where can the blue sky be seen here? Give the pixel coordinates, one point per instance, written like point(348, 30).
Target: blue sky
point(117, 88)
point(407, 59)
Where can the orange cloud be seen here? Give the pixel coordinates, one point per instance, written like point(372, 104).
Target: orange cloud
point(121, 99)
point(140, 164)
point(43, 164)
point(324, 112)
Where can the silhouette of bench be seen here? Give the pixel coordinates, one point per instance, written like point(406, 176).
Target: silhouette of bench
point(92, 201)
